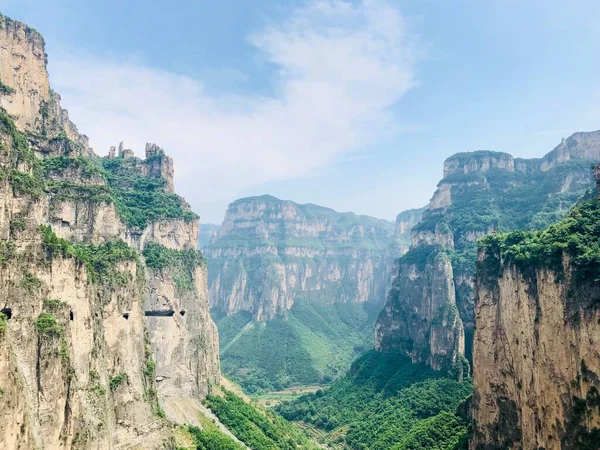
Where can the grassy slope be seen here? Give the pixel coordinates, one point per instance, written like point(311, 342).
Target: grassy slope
point(259, 429)
point(315, 344)
point(386, 402)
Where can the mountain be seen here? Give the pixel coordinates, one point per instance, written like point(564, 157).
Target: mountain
point(295, 289)
point(206, 233)
point(429, 314)
point(405, 221)
point(535, 358)
point(270, 253)
point(105, 329)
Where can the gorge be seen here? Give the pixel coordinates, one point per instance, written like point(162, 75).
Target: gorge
point(472, 323)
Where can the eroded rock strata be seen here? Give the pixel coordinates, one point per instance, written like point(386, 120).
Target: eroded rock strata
point(270, 252)
point(91, 249)
point(536, 353)
point(429, 314)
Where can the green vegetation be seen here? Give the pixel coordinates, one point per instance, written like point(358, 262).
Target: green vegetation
point(30, 282)
point(3, 323)
point(504, 201)
point(17, 225)
point(386, 402)
point(25, 183)
point(212, 440)
point(182, 262)
point(5, 89)
point(47, 326)
point(100, 260)
point(148, 368)
point(258, 429)
point(57, 165)
point(139, 199)
point(314, 345)
point(25, 173)
point(116, 381)
point(8, 252)
point(578, 236)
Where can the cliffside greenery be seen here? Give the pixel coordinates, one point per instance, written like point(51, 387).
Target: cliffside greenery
point(210, 438)
point(258, 429)
point(577, 236)
point(5, 89)
point(315, 344)
point(140, 199)
point(386, 402)
point(100, 261)
point(183, 263)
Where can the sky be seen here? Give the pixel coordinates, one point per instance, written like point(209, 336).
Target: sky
point(353, 105)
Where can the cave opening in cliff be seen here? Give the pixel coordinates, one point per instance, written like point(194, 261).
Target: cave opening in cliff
point(7, 312)
point(160, 313)
point(71, 315)
point(126, 316)
point(182, 312)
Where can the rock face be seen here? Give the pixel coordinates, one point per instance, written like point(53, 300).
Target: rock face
point(405, 221)
point(104, 322)
point(536, 358)
point(270, 252)
point(481, 192)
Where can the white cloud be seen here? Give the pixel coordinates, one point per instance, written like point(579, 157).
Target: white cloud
point(339, 68)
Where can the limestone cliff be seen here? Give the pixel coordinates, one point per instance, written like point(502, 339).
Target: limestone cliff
point(104, 323)
point(405, 221)
point(536, 353)
point(269, 253)
point(480, 192)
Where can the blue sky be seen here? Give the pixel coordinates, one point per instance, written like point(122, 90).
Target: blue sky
point(352, 105)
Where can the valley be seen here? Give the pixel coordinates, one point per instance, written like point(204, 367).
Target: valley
point(472, 323)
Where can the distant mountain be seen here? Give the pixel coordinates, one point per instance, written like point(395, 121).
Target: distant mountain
point(295, 289)
point(270, 252)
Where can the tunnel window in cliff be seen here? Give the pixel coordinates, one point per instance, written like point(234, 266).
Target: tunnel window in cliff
point(71, 315)
point(160, 313)
point(7, 312)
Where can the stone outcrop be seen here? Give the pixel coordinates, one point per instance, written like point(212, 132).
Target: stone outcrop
point(430, 290)
point(270, 252)
point(104, 324)
point(25, 91)
point(480, 192)
point(536, 356)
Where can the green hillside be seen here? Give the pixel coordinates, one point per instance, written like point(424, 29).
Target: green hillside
point(386, 402)
point(314, 344)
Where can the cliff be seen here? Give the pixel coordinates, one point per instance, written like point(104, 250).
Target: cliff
point(535, 357)
point(480, 192)
point(270, 252)
point(295, 289)
point(104, 324)
point(405, 221)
